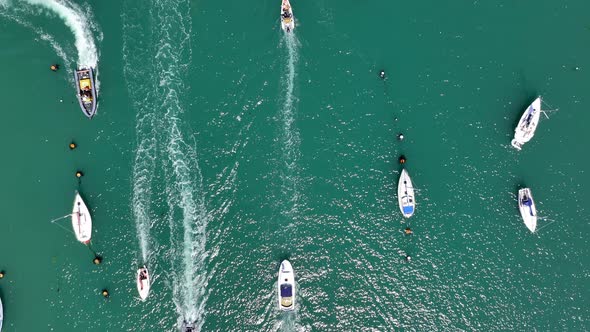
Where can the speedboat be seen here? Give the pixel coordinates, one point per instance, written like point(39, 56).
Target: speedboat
point(405, 194)
point(286, 287)
point(1, 314)
point(525, 130)
point(526, 205)
point(287, 19)
point(86, 90)
point(143, 282)
point(188, 327)
point(81, 220)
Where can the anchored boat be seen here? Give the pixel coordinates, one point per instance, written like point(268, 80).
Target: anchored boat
point(286, 287)
point(86, 90)
point(287, 19)
point(143, 282)
point(81, 220)
point(1, 314)
point(405, 194)
point(525, 130)
point(527, 208)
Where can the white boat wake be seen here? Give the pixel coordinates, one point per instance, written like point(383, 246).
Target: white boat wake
point(77, 20)
point(290, 140)
point(136, 67)
point(184, 182)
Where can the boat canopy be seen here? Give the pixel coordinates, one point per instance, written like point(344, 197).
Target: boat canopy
point(286, 290)
point(408, 209)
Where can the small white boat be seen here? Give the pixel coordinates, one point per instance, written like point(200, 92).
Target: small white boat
point(1, 314)
point(143, 282)
point(286, 286)
point(525, 130)
point(81, 220)
point(526, 204)
point(405, 194)
point(287, 19)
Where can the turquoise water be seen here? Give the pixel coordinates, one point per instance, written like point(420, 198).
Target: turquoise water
point(222, 146)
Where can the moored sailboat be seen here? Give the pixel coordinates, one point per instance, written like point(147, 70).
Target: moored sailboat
point(525, 130)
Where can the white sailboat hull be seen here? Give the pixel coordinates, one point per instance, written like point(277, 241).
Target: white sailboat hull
point(81, 220)
point(528, 212)
point(143, 285)
point(287, 23)
point(286, 286)
point(1, 314)
point(405, 194)
point(525, 130)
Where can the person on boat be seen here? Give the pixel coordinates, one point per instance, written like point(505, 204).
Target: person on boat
point(526, 201)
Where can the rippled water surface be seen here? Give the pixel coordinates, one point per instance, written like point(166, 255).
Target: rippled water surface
point(222, 146)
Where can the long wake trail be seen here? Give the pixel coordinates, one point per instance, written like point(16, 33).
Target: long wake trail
point(138, 65)
point(184, 182)
point(290, 135)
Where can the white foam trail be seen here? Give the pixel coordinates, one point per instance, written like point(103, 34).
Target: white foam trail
point(290, 139)
point(76, 20)
point(184, 183)
point(137, 66)
point(15, 16)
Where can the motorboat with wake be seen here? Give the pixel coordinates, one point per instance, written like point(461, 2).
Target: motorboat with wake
point(525, 130)
point(286, 287)
point(81, 220)
point(86, 90)
point(143, 282)
point(405, 194)
point(188, 327)
point(287, 19)
point(527, 208)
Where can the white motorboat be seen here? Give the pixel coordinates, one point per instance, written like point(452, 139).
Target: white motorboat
point(81, 220)
point(526, 205)
point(1, 314)
point(143, 282)
point(405, 194)
point(287, 19)
point(286, 286)
point(525, 130)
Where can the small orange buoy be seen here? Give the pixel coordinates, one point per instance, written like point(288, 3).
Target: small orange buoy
point(408, 231)
point(79, 174)
point(72, 146)
point(1, 274)
point(402, 159)
point(97, 260)
point(105, 293)
point(54, 67)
